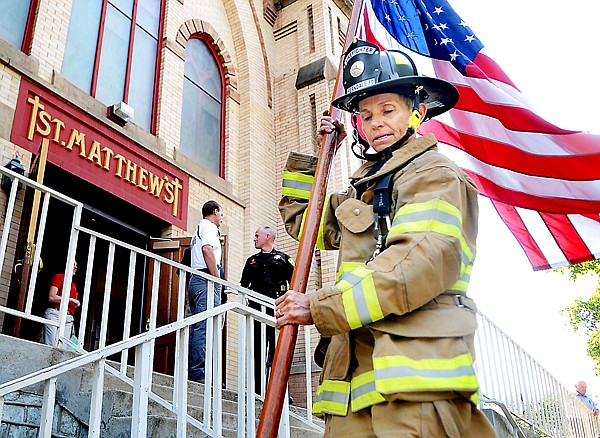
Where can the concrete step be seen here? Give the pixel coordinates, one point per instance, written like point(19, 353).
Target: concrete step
point(73, 395)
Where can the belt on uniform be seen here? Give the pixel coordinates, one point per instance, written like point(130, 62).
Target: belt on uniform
point(457, 299)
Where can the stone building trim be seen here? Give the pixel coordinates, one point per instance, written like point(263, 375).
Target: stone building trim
point(264, 54)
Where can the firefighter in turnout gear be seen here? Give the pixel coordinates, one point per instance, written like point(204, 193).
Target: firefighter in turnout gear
point(268, 272)
point(397, 328)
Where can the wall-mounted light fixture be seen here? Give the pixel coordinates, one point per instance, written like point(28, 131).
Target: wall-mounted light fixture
point(16, 166)
point(120, 113)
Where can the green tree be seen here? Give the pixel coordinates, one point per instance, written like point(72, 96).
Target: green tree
point(585, 314)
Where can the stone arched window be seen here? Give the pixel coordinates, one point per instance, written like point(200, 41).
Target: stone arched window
point(202, 112)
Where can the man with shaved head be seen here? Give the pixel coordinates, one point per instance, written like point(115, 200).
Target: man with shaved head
point(268, 272)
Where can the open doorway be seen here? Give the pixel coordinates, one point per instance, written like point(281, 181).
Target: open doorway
point(107, 214)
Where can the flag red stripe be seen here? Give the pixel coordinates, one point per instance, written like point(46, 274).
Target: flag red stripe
point(512, 117)
point(578, 143)
point(532, 202)
point(567, 237)
point(571, 167)
point(485, 67)
point(517, 227)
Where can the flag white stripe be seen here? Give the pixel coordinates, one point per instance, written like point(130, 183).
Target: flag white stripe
point(589, 231)
point(492, 129)
point(529, 184)
point(490, 90)
point(542, 236)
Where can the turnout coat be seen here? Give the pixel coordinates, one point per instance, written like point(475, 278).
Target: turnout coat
point(399, 325)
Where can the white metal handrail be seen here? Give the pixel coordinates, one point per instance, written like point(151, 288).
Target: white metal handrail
point(143, 343)
point(537, 400)
point(507, 374)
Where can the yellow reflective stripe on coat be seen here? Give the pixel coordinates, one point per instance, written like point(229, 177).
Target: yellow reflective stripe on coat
point(320, 238)
point(359, 296)
point(401, 373)
point(302, 222)
point(463, 282)
point(435, 215)
point(332, 398)
point(297, 185)
point(363, 393)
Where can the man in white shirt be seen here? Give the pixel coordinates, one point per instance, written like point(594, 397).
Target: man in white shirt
point(205, 257)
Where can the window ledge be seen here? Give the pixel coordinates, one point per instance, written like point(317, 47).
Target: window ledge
point(17, 60)
point(202, 173)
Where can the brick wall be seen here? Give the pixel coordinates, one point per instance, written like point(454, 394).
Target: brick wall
point(266, 116)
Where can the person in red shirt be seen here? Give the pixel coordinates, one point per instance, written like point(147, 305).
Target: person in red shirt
point(52, 312)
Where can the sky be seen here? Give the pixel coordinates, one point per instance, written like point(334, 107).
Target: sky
point(549, 49)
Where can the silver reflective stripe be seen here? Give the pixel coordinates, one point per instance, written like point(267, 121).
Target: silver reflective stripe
point(440, 216)
point(359, 297)
point(418, 216)
point(363, 389)
point(406, 371)
point(332, 396)
point(298, 185)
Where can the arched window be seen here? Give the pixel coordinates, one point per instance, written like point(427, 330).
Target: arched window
point(202, 108)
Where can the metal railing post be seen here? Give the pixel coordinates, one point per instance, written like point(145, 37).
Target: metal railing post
point(242, 389)
point(97, 398)
point(47, 414)
point(142, 384)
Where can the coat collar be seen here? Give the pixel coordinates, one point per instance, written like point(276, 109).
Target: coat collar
point(401, 157)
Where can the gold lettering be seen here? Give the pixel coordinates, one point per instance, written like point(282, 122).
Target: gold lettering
point(95, 153)
point(175, 199)
point(35, 101)
point(168, 197)
point(156, 184)
point(120, 160)
point(108, 153)
point(45, 121)
point(58, 126)
point(130, 172)
point(42, 123)
point(142, 178)
point(77, 138)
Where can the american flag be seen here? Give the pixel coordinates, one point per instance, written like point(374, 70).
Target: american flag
point(543, 181)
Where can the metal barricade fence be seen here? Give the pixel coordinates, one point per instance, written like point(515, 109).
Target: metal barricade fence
point(141, 344)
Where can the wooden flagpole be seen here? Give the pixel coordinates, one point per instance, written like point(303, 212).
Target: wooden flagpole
point(284, 351)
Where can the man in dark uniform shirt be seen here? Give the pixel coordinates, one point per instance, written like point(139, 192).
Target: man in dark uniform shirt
point(269, 273)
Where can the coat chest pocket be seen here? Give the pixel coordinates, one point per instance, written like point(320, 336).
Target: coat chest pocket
point(356, 222)
point(355, 215)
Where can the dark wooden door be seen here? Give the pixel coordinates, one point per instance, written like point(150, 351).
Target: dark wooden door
point(172, 249)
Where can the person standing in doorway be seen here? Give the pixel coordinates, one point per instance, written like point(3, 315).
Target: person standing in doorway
point(205, 257)
point(268, 272)
point(52, 312)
